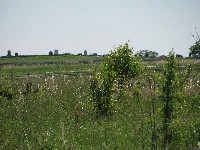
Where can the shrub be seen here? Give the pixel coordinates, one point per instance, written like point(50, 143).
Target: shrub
point(118, 67)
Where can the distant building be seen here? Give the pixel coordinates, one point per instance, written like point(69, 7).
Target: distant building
point(9, 53)
point(16, 54)
point(55, 52)
point(79, 54)
point(85, 53)
point(50, 53)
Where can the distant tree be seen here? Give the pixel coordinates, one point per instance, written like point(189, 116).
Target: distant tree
point(142, 53)
point(179, 56)
point(195, 49)
point(163, 56)
point(67, 54)
point(147, 54)
point(153, 54)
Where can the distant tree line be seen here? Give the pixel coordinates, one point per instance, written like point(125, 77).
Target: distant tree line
point(147, 54)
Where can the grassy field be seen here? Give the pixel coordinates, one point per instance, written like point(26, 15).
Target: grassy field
point(20, 71)
point(47, 65)
point(51, 108)
point(42, 59)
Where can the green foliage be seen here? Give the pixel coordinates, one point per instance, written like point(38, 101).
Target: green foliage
point(101, 93)
point(118, 67)
point(169, 89)
point(147, 54)
point(195, 50)
point(173, 95)
point(48, 69)
point(122, 62)
point(54, 112)
point(6, 92)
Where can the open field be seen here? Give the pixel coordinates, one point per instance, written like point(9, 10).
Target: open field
point(51, 108)
point(47, 65)
point(43, 59)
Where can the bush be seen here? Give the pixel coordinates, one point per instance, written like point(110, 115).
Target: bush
point(118, 67)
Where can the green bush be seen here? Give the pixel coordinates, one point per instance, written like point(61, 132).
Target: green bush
point(118, 67)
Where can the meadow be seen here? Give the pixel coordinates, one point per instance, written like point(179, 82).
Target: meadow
point(49, 106)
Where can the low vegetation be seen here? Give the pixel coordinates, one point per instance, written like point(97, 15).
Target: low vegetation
point(120, 104)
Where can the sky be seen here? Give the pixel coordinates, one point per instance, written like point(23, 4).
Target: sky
point(35, 27)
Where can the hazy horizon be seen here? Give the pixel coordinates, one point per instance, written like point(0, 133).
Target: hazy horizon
point(72, 26)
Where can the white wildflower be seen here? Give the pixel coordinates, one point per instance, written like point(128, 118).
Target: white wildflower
point(199, 144)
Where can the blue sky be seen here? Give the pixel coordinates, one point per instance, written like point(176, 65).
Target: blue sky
point(38, 26)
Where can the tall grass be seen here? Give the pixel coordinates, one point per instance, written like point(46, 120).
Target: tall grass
point(55, 112)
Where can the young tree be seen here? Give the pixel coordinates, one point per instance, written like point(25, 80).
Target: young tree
point(118, 67)
point(173, 95)
point(168, 89)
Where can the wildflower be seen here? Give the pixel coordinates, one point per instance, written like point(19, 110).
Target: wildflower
point(199, 144)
